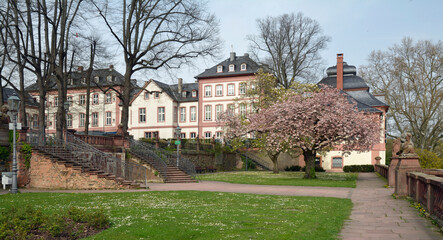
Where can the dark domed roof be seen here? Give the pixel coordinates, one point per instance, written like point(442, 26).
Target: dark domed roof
point(350, 78)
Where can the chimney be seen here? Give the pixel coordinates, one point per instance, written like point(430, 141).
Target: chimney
point(111, 67)
point(232, 58)
point(180, 85)
point(80, 68)
point(340, 71)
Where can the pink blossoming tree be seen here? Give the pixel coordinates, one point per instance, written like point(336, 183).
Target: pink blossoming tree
point(313, 122)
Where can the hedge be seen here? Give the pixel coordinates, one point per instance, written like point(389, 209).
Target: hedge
point(359, 168)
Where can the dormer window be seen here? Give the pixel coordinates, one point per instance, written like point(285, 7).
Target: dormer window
point(232, 68)
point(219, 68)
point(109, 78)
point(70, 81)
point(96, 79)
point(83, 80)
point(243, 67)
point(194, 93)
point(184, 94)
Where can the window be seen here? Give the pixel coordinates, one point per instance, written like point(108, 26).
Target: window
point(208, 112)
point(56, 101)
point(156, 95)
point(142, 115)
point(95, 99)
point(148, 135)
point(35, 121)
point(193, 114)
point(194, 93)
point(161, 114)
point(82, 100)
point(231, 108)
point(69, 120)
point(207, 135)
point(69, 99)
point(208, 91)
point(242, 88)
point(337, 162)
point(231, 89)
point(219, 90)
point(184, 94)
point(218, 135)
point(219, 68)
point(218, 111)
point(254, 108)
point(108, 97)
point(318, 161)
point(242, 109)
point(146, 95)
point(83, 81)
point(109, 78)
point(182, 114)
point(183, 135)
point(108, 118)
point(95, 119)
point(96, 79)
point(243, 67)
point(70, 81)
point(193, 135)
point(82, 119)
point(231, 67)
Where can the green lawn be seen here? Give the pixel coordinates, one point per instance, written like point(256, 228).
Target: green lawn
point(284, 178)
point(200, 215)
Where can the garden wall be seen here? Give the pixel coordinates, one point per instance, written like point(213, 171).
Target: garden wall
point(222, 161)
point(50, 174)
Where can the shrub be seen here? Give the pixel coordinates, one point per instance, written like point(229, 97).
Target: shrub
point(30, 223)
point(27, 154)
point(293, 168)
point(429, 159)
point(359, 168)
point(4, 153)
point(317, 169)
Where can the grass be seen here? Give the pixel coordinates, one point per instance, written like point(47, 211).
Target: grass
point(200, 215)
point(324, 179)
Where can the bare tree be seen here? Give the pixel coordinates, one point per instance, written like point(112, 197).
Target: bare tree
point(289, 44)
point(410, 76)
point(158, 33)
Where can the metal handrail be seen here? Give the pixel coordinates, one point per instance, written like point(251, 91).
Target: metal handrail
point(151, 157)
point(90, 157)
point(184, 164)
point(257, 160)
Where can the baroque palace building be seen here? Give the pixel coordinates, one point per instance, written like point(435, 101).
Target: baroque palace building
point(157, 109)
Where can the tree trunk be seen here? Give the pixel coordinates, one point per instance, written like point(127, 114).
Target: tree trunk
point(274, 158)
point(126, 98)
point(88, 85)
point(309, 157)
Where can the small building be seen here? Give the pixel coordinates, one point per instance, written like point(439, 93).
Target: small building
point(344, 77)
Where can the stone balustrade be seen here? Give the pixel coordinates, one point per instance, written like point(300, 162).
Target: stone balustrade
point(383, 170)
point(427, 190)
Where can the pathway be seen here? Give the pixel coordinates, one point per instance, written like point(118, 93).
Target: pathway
point(377, 215)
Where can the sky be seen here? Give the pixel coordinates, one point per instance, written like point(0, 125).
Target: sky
point(356, 27)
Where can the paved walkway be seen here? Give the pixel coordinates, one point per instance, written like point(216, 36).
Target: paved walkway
point(377, 215)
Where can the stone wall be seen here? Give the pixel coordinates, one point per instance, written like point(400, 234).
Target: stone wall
point(50, 174)
point(222, 161)
point(151, 173)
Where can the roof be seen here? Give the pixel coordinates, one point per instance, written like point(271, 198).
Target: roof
point(350, 78)
point(354, 87)
point(102, 74)
point(172, 91)
point(7, 92)
point(251, 67)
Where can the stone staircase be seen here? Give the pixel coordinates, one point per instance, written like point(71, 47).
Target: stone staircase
point(169, 172)
point(65, 157)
